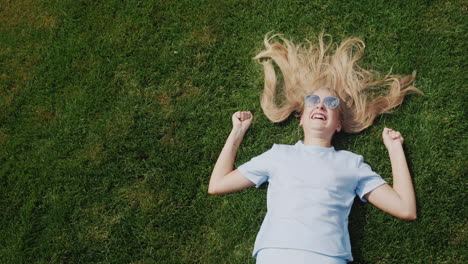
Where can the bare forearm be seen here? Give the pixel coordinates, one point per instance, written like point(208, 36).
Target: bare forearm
point(402, 183)
point(398, 200)
point(225, 162)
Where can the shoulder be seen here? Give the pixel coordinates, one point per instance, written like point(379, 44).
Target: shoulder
point(283, 148)
point(352, 158)
point(348, 154)
point(279, 151)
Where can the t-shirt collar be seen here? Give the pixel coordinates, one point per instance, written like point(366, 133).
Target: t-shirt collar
point(300, 144)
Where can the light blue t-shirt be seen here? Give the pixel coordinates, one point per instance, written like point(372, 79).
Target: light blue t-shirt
point(310, 193)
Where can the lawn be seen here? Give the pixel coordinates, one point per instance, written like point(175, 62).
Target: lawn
point(113, 113)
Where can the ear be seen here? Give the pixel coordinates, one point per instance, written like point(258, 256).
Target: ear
point(338, 127)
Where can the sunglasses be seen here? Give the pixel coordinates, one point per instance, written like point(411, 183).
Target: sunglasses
point(330, 102)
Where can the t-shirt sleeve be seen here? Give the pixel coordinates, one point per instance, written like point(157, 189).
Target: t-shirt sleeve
point(368, 180)
point(258, 169)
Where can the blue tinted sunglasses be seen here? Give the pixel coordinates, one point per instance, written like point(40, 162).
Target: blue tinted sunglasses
point(330, 102)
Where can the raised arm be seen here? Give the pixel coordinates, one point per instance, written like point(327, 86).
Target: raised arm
point(224, 179)
point(400, 200)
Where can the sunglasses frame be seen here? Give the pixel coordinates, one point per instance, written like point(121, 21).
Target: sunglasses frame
point(330, 102)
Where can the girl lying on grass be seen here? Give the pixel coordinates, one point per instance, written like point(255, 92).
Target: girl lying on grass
point(311, 185)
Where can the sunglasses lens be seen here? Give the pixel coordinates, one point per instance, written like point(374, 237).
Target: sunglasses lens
point(331, 102)
point(312, 100)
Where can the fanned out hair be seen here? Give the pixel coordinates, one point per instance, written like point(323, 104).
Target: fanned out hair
point(308, 67)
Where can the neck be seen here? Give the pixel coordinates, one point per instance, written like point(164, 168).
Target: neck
point(317, 141)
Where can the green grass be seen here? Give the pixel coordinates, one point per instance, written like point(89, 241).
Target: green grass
point(113, 113)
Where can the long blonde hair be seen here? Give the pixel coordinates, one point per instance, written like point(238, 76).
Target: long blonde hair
point(308, 67)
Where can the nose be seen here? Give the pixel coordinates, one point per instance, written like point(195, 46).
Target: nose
point(320, 105)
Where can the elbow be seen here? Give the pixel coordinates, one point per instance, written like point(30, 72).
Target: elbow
point(410, 216)
point(212, 190)
point(211, 186)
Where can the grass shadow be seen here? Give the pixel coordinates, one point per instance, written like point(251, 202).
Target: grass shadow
point(356, 230)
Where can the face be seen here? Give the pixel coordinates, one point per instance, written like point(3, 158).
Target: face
point(319, 118)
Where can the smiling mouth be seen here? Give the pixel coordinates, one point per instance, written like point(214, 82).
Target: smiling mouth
point(319, 116)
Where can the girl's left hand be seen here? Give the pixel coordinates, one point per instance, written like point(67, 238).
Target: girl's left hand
point(392, 138)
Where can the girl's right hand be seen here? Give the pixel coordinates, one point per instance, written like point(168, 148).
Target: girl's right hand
point(242, 120)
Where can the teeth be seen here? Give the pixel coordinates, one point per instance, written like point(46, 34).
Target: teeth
point(318, 116)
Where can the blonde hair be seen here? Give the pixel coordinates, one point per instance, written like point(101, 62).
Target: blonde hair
point(309, 67)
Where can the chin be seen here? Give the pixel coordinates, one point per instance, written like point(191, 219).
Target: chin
point(322, 130)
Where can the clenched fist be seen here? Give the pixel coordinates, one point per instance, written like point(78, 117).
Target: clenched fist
point(391, 138)
point(242, 120)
